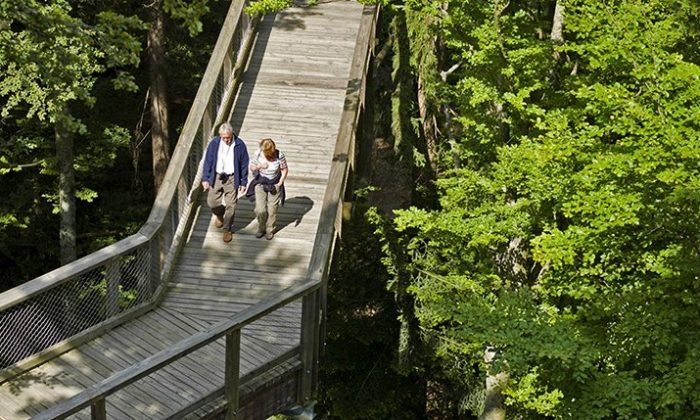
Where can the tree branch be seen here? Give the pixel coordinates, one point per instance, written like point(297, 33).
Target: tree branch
point(21, 165)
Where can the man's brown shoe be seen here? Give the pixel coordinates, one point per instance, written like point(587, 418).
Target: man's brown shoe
point(219, 222)
point(228, 235)
point(269, 235)
point(259, 234)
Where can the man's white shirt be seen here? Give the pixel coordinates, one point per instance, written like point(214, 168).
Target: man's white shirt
point(224, 159)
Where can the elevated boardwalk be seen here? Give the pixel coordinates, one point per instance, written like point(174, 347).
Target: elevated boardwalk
point(232, 326)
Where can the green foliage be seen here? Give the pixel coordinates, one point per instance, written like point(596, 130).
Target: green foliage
point(53, 59)
point(565, 237)
point(263, 7)
point(189, 12)
point(78, 53)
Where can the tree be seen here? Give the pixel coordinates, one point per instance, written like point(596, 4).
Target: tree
point(564, 241)
point(191, 14)
point(50, 60)
point(160, 142)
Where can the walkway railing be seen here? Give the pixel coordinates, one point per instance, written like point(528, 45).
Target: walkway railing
point(74, 303)
point(310, 290)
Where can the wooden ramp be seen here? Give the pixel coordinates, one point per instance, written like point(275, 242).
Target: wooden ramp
point(293, 91)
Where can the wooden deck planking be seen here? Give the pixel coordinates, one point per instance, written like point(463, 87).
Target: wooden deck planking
point(293, 91)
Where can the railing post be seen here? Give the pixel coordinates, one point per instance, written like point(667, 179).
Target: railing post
point(112, 293)
point(230, 59)
point(207, 123)
point(158, 250)
point(233, 368)
point(182, 191)
point(149, 279)
point(98, 410)
point(309, 344)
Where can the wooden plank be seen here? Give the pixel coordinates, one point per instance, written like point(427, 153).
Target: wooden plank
point(184, 319)
point(240, 266)
point(227, 287)
point(221, 301)
point(98, 372)
point(182, 372)
point(110, 365)
point(268, 255)
point(129, 352)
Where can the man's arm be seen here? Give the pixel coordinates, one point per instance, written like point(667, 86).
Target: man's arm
point(207, 179)
point(243, 167)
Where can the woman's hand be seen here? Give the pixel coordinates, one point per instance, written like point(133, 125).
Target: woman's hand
point(254, 167)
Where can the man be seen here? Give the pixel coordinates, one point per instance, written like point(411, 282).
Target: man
point(225, 175)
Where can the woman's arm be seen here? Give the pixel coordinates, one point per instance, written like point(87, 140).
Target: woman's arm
point(284, 172)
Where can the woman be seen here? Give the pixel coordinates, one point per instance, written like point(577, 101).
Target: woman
point(269, 170)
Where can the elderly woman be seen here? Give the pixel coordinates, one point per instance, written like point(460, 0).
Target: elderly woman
point(269, 170)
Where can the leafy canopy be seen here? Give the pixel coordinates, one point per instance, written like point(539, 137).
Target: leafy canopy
point(566, 235)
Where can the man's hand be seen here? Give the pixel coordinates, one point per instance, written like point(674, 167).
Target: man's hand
point(241, 189)
point(205, 185)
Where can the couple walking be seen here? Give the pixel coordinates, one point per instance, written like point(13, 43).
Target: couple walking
point(226, 177)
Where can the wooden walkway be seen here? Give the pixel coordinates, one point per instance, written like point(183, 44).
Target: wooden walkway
point(293, 91)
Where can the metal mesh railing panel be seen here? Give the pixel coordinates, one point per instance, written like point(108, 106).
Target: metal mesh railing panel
point(77, 304)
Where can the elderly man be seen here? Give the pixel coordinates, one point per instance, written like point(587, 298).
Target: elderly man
point(225, 175)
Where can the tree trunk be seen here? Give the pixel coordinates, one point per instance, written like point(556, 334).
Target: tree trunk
point(558, 23)
point(160, 144)
point(66, 186)
point(493, 404)
point(557, 37)
point(429, 126)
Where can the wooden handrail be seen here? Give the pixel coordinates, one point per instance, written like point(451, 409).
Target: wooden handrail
point(54, 278)
point(164, 357)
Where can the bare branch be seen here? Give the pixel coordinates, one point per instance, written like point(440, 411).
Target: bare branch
point(22, 165)
point(444, 74)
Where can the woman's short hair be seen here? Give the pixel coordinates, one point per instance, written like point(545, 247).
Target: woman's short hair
point(268, 148)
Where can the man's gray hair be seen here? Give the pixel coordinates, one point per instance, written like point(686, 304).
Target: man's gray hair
point(225, 128)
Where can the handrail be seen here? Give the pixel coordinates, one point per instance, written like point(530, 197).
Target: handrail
point(164, 357)
point(54, 278)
